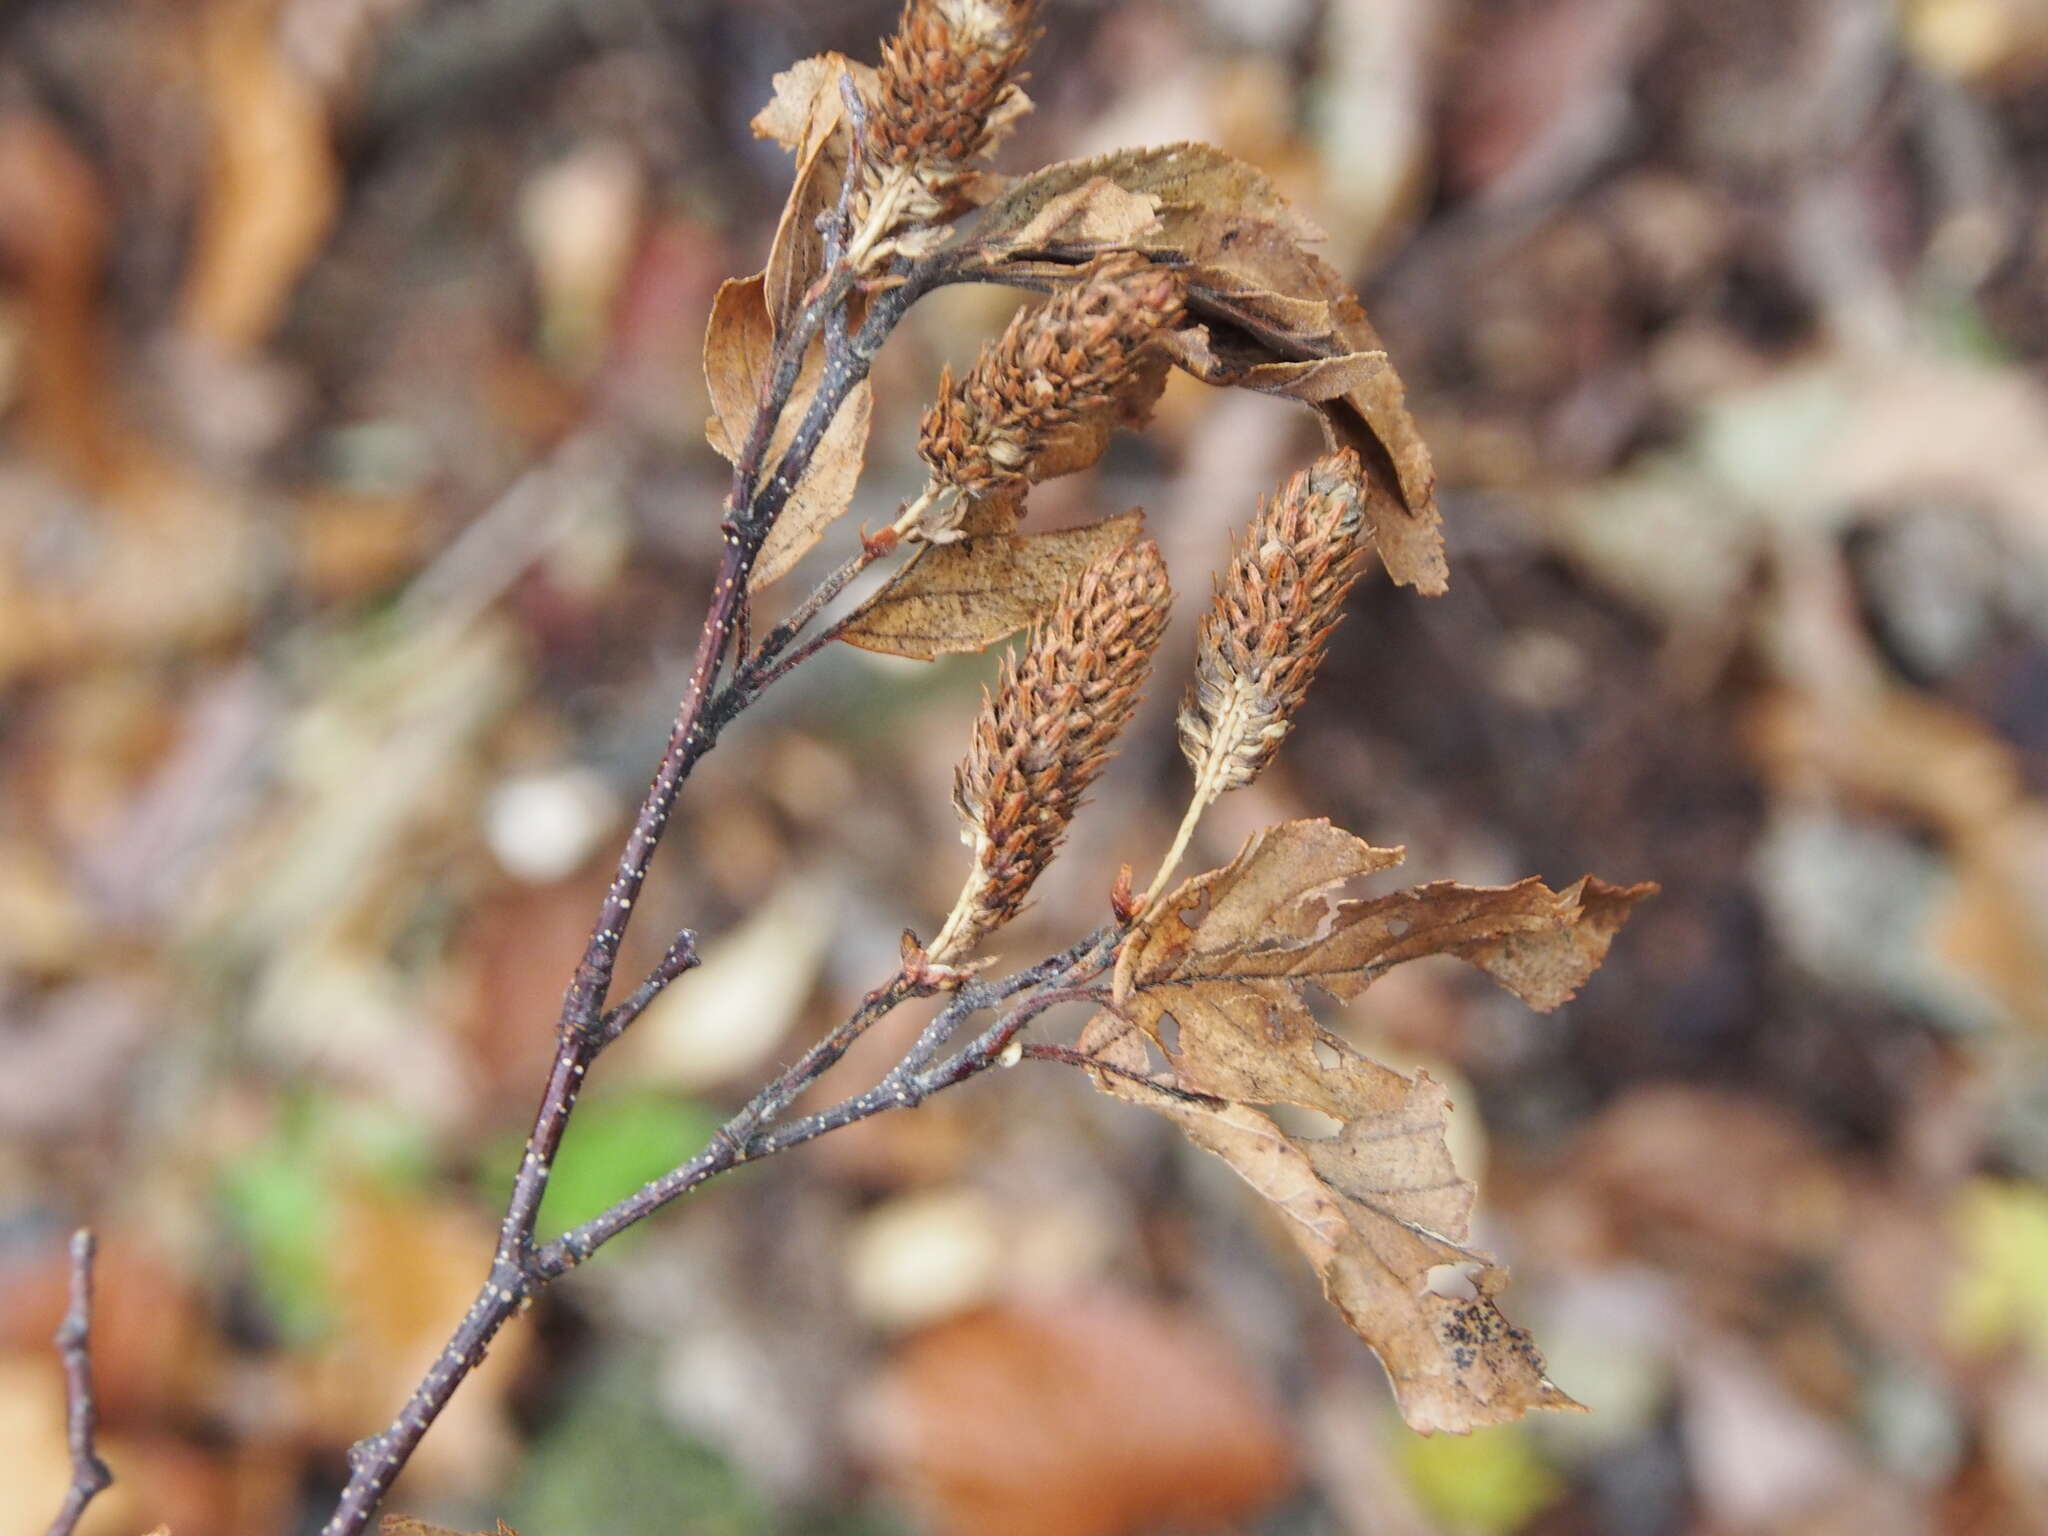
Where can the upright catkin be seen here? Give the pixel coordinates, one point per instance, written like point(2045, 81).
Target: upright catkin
point(1266, 629)
point(1074, 361)
point(944, 92)
point(1046, 730)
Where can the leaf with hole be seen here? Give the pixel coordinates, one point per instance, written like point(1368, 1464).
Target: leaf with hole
point(1376, 1205)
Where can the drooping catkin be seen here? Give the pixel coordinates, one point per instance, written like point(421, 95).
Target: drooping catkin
point(1263, 636)
point(944, 94)
point(1069, 361)
point(1046, 730)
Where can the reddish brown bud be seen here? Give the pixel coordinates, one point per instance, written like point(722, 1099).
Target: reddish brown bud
point(1124, 902)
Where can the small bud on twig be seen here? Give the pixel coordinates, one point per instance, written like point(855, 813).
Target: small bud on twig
point(1065, 363)
point(1124, 903)
point(1047, 729)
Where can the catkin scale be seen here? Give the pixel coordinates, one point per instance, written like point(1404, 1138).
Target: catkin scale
point(1046, 730)
point(1264, 634)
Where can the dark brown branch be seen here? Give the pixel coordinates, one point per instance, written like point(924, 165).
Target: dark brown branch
point(742, 1139)
point(89, 1475)
point(583, 1028)
point(906, 1086)
point(1066, 1055)
point(770, 664)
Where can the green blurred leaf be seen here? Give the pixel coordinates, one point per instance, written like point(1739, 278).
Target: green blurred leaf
point(280, 1197)
point(1489, 1482)
point(281, 1209)
point(610, 1463)
point(616, 1143)
point(2001, 1293)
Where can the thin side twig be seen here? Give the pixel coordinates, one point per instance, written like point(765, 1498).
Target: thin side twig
point(89, 1474)
point(743, 1138)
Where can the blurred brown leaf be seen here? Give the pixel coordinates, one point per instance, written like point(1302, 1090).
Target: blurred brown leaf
point(152, 1348)
point(399, 1269)
point(1102, 1417)
point(272, 184)
point(53, 234)
point(1898, 750)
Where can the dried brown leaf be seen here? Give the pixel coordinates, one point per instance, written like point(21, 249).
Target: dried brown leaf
point(739, 345)
point(824, 493)
point(807, 116)
point(1269, 928)
point(1272, 310)
point(805, 94)
point(1187, 175)
point(410, 1525)
point(1375, 1210)
point(967, 595)
point(1312, 379)
point(1099, 212)
point(739, 348)
point(1377, 1204)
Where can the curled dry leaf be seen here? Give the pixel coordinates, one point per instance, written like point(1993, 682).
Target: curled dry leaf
point(1377, 1205)
point(1098, 213)
point(1268, 303)
point(807, 116)
point(739, 350)
point(967, 595)
point(1185, 175)
point(1273, 311)
point(1314, 379)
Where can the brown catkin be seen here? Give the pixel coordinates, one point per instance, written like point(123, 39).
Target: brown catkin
point(943, 92)
point(1263, 636)
point(941, 77)
point(1064, 363)
point(1046, 730)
